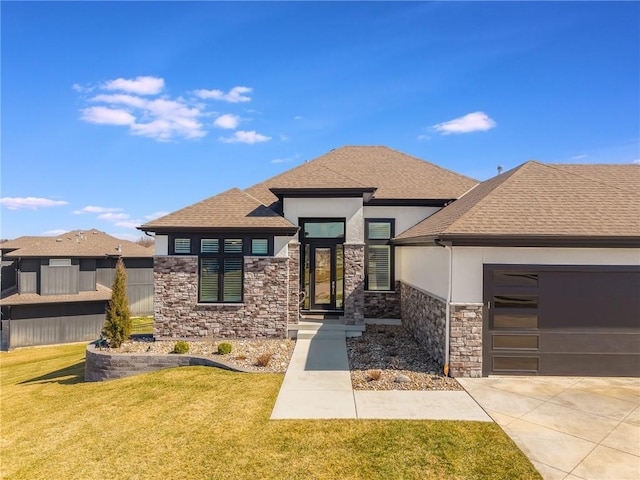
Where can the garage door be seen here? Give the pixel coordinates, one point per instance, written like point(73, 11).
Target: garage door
point(561, 320)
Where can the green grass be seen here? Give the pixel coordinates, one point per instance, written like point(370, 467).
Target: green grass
point(142, 325)
point(199, 422)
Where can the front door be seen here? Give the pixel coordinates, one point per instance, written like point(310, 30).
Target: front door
point(323, 278)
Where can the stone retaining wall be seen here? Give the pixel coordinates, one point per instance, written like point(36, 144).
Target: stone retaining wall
point(465, 347)
point(382, 304)
point(425, 317)
point(264, 312)
point(101, 365)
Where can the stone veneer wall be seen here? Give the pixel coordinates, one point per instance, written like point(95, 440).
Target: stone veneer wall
point(382, 304)
point(294, 282)
point(424, 315)
point(263, 313)
point(465, 347)
point(354, 283)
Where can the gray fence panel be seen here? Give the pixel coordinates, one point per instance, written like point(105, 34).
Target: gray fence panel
point(59, 280)
point(48, 331)
point(140, 299)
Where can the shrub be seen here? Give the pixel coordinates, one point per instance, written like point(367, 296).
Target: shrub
point(224, 348)
point(181, 347)
point(117, 326)
point(264, 359)
point(373, 375)
point(241, 356)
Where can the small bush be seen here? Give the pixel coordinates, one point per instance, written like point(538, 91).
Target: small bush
point(241, 356)
point(264, 359)
point(224, 348)
point(373, 375)
point(181, 347)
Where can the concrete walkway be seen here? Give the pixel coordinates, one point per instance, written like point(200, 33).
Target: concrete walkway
point(570, 428)
point(317, 385)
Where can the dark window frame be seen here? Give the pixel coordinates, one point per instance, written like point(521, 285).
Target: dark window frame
point(221, 256)
point(392, 255)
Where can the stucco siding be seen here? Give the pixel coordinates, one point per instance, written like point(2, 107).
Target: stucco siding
point(468, 263)
point(406, 217)
point(426, 268)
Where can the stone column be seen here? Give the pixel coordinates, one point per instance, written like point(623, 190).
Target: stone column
point(294, 282)
point(354, 283)
point(465, 347)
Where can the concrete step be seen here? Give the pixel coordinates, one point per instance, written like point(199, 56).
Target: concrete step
point(309, 328)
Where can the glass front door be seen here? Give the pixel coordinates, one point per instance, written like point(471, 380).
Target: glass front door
point(323, 277)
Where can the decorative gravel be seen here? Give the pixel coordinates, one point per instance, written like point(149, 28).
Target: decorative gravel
point(387, 357)
point(244, 353)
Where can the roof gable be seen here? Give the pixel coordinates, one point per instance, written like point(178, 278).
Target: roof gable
point(393, 174)
point(543, 200)
point(232, 209)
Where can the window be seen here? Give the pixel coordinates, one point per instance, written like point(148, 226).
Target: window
point(221, 272)
point(182, 245)
point(59, 262)
point(379, 265)
point(259, 246)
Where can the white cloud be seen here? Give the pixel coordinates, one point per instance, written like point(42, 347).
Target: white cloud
point(107, 116)
point(579, 157)
point(235, 95)
point(138, 85)
point(154, 215)
point(137, 104)
point(471, 122)
point(82, 89)
point(242, 136)
point(121, 99)
point(94, 209)
point(286, 160)
point(55, 233)
point(637, 162)
point(112, 217)
point(32, 203)
point(298, 117)
point(284, 138)
point(126, 224)
point(424, 137)
point(227, 120)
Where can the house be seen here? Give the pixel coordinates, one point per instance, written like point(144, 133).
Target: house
point(535, 271)
point(55, 289)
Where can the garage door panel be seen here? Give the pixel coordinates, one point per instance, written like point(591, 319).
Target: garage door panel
point(562, 320)
point(589, 299)
point(587, 342)
point(590, 365)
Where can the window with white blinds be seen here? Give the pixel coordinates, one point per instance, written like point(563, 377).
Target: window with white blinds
point(379, 266)
point(259, 246)
point(209, 273)
point(209, 245)
point(182, 245)
point(232, 280)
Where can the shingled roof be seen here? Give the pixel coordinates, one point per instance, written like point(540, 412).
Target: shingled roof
point(539, 201)
point(393, 174)
point(233, 209)
point(76, 243)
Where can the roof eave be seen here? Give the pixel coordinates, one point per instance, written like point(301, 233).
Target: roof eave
point(162, 230)
point(514, 240)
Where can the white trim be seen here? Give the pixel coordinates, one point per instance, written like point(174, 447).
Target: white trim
point(437, 297)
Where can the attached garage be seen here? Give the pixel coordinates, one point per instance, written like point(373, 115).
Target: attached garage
point(561, 320)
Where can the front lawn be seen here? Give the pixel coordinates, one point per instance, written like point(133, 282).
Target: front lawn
point(199, 422)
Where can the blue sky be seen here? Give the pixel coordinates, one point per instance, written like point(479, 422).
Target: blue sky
point(115, 112)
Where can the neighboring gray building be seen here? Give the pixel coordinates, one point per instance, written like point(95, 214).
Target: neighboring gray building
point(55, 289)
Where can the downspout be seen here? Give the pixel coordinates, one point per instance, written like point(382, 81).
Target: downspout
point(447, 333)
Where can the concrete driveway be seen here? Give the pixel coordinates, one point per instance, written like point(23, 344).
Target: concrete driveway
point(570, 428)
